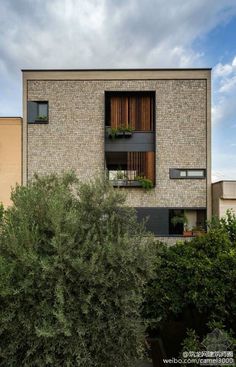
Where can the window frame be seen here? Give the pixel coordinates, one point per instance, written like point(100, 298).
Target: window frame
point(175, 173)
point(33, 112)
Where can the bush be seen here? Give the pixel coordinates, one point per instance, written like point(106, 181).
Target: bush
point(195, 281)
point(217, 340)
point(227, 223)
point(73, 266)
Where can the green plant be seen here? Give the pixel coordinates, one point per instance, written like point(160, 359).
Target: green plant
point(73, 267)
point(227, 222)
point(112, 132)
point(195, 278)
point(120, 175)
point(41, 118)
point(180, 219)
point(125, 128)
point(191, 343)
point(145, 183)
point(1, 215)
point(216, 339)
point(198, 230)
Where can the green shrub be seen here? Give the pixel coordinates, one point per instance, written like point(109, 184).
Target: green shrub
point(195, 281)
point(217, 339)
point(146, 183)
point(1, 215)
point(73, 266)
point(227, 223)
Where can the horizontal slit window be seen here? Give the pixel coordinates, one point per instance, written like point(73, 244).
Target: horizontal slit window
point(185, 173)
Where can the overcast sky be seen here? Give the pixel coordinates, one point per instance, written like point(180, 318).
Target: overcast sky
point(122, 34)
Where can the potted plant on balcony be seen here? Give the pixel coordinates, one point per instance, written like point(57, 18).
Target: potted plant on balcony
point(120, 178)
point(127, 130)
point(182, 219)
point(119, 132)
point(144, 182)
point(111, 132)
point(198, 231)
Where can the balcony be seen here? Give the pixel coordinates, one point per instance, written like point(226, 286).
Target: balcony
point(130, 138)
point(128, 178)
point(136, 141)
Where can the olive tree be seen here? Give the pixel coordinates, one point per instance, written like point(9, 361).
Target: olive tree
point(73, 266)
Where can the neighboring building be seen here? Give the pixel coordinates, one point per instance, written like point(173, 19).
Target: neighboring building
point(10, 156)
point(68, 115)
point(223, 197)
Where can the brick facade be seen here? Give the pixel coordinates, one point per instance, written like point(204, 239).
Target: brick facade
point(74, 136)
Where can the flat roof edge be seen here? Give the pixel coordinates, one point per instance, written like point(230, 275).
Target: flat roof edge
point(217, 182)
point(131, 69)
point(11, 117)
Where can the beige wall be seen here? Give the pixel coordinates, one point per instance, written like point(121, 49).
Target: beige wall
point(223, 197)
point(10, 156)
point(226, 204)
point(74, 137)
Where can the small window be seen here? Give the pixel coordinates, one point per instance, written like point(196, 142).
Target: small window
point(187, 173)
point(37, 112)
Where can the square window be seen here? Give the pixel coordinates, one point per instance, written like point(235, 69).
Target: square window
point(37, 112)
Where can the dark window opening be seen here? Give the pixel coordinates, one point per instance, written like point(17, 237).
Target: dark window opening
point(37, 112)
point(160, 220)
point(175, 228)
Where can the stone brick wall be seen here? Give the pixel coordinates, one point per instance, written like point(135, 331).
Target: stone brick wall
point(74, 137)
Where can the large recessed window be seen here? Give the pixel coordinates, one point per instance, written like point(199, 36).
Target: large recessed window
point(130, 109)
point(186, 221)
point(129, 168)
point(172, 221)
point(130, 138)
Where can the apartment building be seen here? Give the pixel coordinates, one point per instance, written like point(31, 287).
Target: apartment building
point(10, 156)
point(148, 131)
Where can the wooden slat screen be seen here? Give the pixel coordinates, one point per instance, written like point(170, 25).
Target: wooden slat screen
point(143, 163)
point(135, 111)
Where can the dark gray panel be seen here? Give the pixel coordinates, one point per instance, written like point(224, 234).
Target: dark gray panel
point(138, 142)
point(157, 219)
point(174, 173)
point(32, 111)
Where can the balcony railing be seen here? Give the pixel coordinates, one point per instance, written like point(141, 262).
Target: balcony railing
point(125, 183)
point(123, 178)
point(136, 141)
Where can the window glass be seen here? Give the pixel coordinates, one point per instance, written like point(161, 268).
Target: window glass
point(182, 173)
point(195, 173)
point(43, 109)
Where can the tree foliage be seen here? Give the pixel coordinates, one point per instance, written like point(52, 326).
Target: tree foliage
point(73, 266)
point(196, 278)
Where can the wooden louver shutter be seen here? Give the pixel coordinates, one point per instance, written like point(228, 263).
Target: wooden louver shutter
point(143, 163)
point(135, 111)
